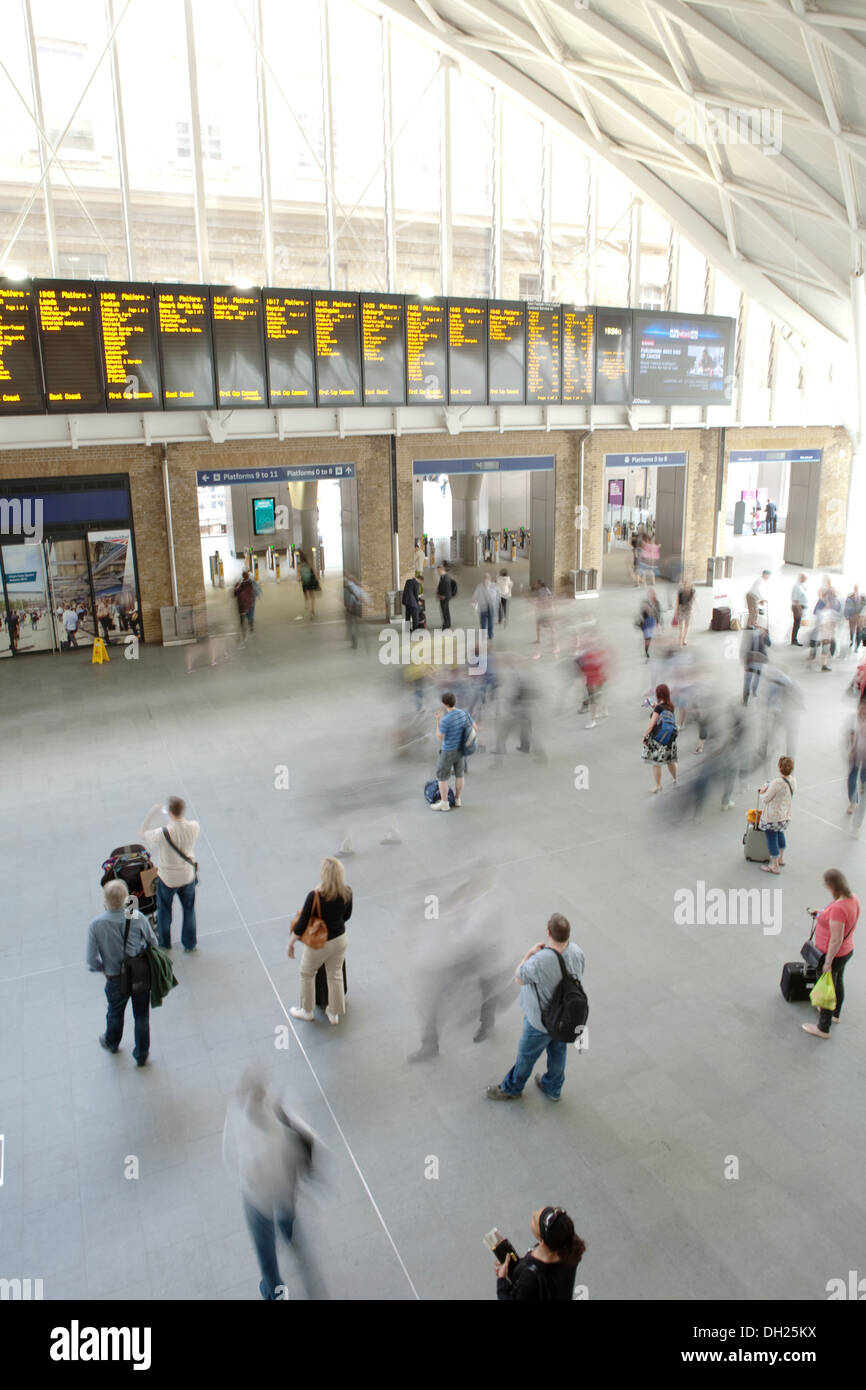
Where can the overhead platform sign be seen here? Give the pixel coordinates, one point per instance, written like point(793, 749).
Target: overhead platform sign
point(226, 477)
point(535, 463)
point(675, 460)
point(775, 455)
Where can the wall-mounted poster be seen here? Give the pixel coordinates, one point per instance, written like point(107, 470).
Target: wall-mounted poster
point(616, 492)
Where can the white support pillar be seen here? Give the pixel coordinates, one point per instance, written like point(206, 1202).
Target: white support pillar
point(264, 146)
point(856, 518)
point(388, 155)
point(44, 159)
point(546, 239)
point(328, 129)
point(120, 136)
point(634, 238)
point(199, 205)
point(446, 239)
point(591, 231)
point(496, 196)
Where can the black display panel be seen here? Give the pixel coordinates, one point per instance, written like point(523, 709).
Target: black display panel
point(238, 347)
point(383, 349)
point(682, 359)
point(543, 354)
point(506, 352)
point(338, 348)
point(467, 351)
point(20, 371)
point(426, 351)
point(185, 346)
point(68, 335)
point(289, 347)
point(613, 379)
point(130, 357)
point(578, 354)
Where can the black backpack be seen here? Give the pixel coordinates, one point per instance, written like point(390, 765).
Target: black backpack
point(568, 1008)
point(453, 588)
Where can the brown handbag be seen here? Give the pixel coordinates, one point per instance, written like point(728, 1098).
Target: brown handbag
point(315, 933)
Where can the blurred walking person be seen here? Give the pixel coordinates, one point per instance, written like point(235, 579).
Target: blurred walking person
point(649, 619)
point(309, 582)
point(857, 769)
point(686, 596)
point(270, 1153)
point(799, 601)
point(855, 604)
point(545, 621)
point(245, 597)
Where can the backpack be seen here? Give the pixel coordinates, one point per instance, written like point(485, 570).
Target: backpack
point(431, 792)
point(568, 1009)
point(453, 588)
point(468, 739)
point(665, 729)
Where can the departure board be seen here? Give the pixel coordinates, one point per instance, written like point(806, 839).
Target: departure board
point(543, 354)
point(20, 371)
point(506, 352)
point(338, 348)
point(578, 333)
point(130, 359)
point(66, 314)
point(289, 347)
point(467, 351)
point(238, 347)
point(185, 346)
point(426, 351)
point(383, 349)
point(683, 359)
point(613, 357)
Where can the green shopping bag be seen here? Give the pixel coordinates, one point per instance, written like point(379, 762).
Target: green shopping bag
point(823, 996)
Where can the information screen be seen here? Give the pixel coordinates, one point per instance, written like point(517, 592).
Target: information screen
point(383, 349)
point(289, 345)
point(543, 354)
point(682, 360)
point(238, 347)
point(613, 357)
point(185, 346)
point(20, 373)
point(467, 351)
point(506, 352)
point(426, 351)
point(338, 348)
point(578, 354)
point(66, 314)
point(264, 516)
point(130, 358)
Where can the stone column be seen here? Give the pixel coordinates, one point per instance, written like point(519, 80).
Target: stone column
point(466, 488)
point(304, 496)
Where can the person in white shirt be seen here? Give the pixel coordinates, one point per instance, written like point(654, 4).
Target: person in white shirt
point(174, 843)
point(756, 595)
point(70, 626)
point(504, 584)
point(799, 601)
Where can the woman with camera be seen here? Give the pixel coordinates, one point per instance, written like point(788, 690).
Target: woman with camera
point(548, 1269)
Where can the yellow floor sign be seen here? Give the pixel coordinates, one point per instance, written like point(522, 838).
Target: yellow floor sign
point(100, 652)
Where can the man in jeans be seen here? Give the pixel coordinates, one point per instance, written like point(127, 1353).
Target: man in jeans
point(174, 844)
point(450, 728)
point(105, 953)
point(539, 974)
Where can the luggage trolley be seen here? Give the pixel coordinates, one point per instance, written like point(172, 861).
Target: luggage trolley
point(133, 865)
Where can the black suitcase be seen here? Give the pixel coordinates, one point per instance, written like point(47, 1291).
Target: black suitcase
point(720, 620)
point(798, 980)
point(422, 612)
point(322, 986)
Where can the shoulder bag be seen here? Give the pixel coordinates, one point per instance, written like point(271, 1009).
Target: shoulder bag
point(134, 970)
point(315, 933)
point(180, 852)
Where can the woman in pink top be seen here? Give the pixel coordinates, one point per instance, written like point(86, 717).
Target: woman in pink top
point(834, 933)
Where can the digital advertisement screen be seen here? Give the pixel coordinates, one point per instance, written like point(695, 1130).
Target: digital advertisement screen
point(130, 358)
point(338, 348)
point(467, 351)
point(613, 329)
point(543, 354)
point(238, 347)
point(578, 355)
point(185, 346)
point(289, 347)
point(66, 315)
point(426, 351)
point(264, 516)
point(683, 359)
point(506, 352)
point(20, 370)
point(383, 349)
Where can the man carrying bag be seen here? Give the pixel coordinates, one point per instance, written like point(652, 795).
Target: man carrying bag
point(117, 946)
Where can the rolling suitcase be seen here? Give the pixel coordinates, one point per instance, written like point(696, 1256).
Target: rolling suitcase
point(798, 980)
point(755, 843)
point(720, 620)
point(322, 986)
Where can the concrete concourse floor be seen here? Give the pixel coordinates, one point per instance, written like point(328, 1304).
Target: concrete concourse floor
point(693, 1056)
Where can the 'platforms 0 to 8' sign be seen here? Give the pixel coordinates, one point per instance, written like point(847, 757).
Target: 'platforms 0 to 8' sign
point(72, 346)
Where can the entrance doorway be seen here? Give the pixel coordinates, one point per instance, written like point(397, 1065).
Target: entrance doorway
point(645, 494)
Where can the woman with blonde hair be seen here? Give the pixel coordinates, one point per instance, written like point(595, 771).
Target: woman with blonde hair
point(775, 798)
point(331, 902)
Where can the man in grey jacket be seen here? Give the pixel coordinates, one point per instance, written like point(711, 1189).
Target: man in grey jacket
point(105, 953)
point(539, 973)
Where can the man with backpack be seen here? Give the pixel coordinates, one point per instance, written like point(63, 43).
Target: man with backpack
point(554, 1008)
point(457, 736)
